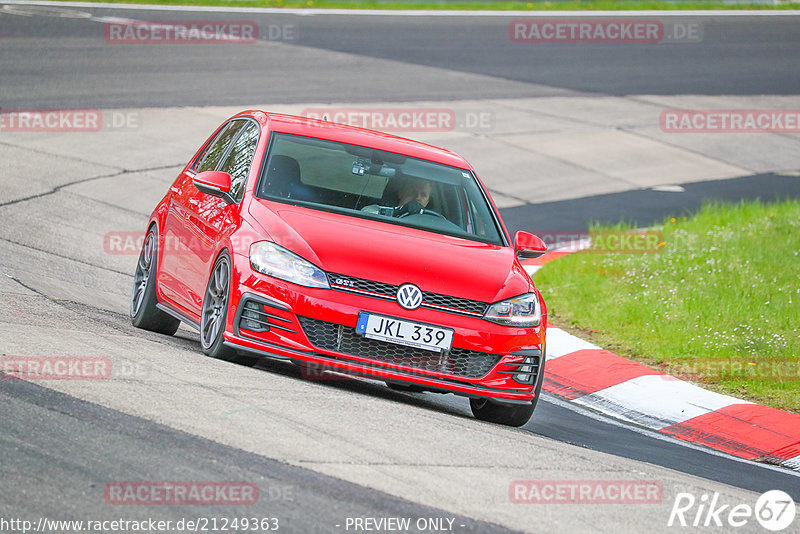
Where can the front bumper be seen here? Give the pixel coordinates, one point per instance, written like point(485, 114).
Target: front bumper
point(317, 327)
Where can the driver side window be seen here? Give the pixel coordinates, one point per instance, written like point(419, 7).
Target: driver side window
point(217, 148)
point(237, 164)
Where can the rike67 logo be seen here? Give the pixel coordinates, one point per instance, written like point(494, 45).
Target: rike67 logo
point(774, 510)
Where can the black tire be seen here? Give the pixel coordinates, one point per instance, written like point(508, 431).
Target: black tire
point(508, 414)
point(214, 313)
point(143, 312)
point(501, 413)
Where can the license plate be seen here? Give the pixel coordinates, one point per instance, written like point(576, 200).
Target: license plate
point(402, 332)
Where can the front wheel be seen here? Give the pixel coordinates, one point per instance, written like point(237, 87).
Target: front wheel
point(215, 313)
point(144, 313)
point(501, 413)
point(509, 414)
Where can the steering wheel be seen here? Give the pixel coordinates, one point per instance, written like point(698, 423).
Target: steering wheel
point(424, 211)
point(411, 209)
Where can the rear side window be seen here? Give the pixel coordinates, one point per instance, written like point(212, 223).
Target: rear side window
point(237, 164)
point(217, 148)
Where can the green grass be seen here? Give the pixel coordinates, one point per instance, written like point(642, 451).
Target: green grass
point(718, 303)
point(495, 5)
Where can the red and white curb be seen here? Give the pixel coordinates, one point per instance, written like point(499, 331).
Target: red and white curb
point(610, 384)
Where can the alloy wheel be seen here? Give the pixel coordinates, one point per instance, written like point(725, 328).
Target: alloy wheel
point(142, 274)
point(215, 303)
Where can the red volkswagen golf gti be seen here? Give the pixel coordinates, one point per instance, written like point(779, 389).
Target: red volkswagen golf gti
point(348, 249)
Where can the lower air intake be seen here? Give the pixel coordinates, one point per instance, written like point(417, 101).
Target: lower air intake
point(338, 338)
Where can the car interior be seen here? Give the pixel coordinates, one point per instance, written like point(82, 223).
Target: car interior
point(350, 178)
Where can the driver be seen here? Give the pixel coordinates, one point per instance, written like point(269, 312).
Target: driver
point(413, 197)
point(415, 190)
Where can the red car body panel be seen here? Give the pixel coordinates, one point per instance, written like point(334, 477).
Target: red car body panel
point(195, 227)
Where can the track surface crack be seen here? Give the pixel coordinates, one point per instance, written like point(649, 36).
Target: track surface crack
point(58, 188)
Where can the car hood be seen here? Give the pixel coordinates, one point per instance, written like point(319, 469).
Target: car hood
point(392, 254)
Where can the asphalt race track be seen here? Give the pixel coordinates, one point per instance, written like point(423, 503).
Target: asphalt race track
point(367, 58)
point(322, 452)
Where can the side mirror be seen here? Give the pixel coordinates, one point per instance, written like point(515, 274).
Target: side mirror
point(528, 245)
point(216, 183)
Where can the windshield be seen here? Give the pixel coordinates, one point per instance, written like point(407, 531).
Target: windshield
point(371, 183)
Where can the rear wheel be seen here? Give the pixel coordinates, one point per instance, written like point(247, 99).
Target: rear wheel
point(144, 313)
point(215, 312)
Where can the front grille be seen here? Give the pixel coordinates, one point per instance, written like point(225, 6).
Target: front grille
point(472, 306)
point(433, 301)
point(343, 339)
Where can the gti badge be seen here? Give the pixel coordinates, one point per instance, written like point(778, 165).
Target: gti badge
point(409, 296)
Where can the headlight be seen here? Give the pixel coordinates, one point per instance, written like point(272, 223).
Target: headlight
point(518, 311)
point(270, 259)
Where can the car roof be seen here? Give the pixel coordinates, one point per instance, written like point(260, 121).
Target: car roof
point(320, 129)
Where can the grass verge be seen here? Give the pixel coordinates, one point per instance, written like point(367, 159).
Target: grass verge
point(717, 302)
point(478, 5)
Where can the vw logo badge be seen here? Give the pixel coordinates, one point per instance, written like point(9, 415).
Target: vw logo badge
point(409, 296)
